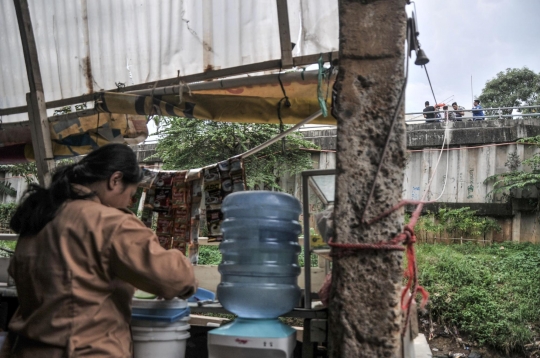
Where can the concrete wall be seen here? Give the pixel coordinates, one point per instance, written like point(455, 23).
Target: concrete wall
point(478, 150)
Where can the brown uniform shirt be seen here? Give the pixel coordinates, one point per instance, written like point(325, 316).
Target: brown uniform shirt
point(76, 277)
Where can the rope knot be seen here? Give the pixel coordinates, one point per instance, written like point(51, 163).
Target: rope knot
point(410, 237)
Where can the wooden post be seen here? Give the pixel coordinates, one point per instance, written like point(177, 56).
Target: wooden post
point(284, 34)
point(364, 313)
point(35, 100)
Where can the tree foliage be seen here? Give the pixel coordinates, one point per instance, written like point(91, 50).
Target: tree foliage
point(512, 88)
point(514, 179)
point(192, 143)
point(26, 170)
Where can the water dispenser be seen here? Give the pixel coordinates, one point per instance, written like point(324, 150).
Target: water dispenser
point(259, 274)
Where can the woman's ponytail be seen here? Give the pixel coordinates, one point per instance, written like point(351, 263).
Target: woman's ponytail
point(40, 205)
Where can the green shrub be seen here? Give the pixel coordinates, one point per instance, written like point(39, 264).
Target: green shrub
point(6, 212)
point(452, 223)
point(490, 293)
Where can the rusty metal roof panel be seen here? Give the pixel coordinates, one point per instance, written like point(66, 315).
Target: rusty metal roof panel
point(91, 45)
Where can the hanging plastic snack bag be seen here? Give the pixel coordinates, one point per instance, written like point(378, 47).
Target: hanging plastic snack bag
point(165, 241)
point(135, 200)
point(164, 180)
point(148, 178)
point(164, 225)
point(162, 200)
point(179, 244)
point(193, 253)
point(211, 174)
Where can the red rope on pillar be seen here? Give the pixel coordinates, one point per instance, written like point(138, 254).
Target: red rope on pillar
point(404, 241)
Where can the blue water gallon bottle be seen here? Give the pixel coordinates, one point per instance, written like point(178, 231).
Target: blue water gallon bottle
point(259, 269)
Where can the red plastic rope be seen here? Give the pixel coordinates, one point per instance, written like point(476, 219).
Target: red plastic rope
point(404, 241)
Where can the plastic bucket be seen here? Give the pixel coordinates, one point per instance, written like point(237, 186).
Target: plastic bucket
point(164, 341)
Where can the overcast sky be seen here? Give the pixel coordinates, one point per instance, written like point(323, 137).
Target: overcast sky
point(471, 37)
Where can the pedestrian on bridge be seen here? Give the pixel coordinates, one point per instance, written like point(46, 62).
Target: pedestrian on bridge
point(478, 113)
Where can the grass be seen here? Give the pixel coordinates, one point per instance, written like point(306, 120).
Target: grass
point(490, 293)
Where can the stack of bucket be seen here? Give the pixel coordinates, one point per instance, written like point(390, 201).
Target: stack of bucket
point(160, 328)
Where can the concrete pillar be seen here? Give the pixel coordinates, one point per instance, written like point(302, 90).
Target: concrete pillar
point(364, 311)
point(516, 227)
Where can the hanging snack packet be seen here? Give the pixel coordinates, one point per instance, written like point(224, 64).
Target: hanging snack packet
point(224, 169)
point(164, 225)
point(179, 244)
point(211, 174)
point(146, 217)
point(214, 218)
point(165, 241)
point(162, 200)
point(193, 253)
point(135, 200)
point(148, 178)
point(163, 180)
point(179, 197)
point(194, 230)
point(213, 193)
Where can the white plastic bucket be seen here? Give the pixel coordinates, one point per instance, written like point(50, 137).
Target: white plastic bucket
point(164, 341)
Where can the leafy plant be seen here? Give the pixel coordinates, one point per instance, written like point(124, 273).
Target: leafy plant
point(512, 88)
point(6, 212)
point(192, 143)
point(507, 183)
point(7, 189)
point(462, 222)
point(26, 170)
point(489, 293)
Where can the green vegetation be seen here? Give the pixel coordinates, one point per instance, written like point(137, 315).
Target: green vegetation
point(210, 255)
point(454, 223)
point(507, 183)
point(26, 170)
point(489, 293)
point(192, 143)
point(513, 88)
point(6, 212)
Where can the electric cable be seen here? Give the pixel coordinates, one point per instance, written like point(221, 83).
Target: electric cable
point(433, 92)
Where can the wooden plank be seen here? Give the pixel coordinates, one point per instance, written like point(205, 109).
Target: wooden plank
point(198, 320)
point(205, 76)
point(284, 34)
point(35, 100)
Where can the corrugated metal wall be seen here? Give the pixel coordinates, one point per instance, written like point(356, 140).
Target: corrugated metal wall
point(89, 45)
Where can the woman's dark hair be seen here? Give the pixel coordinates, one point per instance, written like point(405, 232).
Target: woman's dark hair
point(39, 205)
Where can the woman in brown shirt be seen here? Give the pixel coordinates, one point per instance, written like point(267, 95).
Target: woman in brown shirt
point(80, 256)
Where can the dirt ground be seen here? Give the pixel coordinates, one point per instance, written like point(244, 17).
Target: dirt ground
point(448, 342)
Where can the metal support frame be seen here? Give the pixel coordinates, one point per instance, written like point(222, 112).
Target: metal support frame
point(284, 34)
point(37, 112)
point(198, 77)
point(305, 209)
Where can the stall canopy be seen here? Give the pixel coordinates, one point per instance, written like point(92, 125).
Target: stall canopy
point(120, 61)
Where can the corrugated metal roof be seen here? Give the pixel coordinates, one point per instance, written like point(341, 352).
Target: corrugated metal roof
point(89, 45)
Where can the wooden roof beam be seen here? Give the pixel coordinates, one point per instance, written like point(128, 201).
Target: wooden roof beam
point(35, 100)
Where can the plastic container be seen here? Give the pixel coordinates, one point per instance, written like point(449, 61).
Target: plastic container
point(159, 315)
point(259, 268)
point(167, 341)
point(159, 310)
point(202, 295)
point(159, 328)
